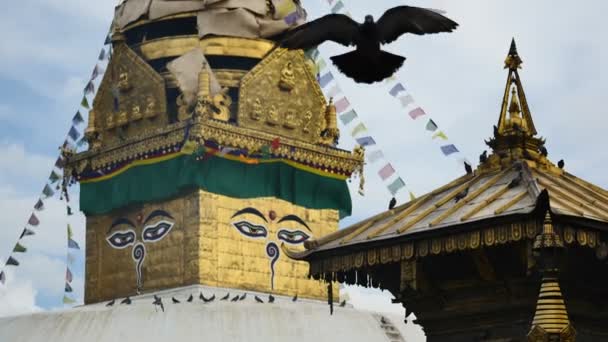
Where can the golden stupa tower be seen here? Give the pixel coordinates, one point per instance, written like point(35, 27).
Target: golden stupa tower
point(210, 148)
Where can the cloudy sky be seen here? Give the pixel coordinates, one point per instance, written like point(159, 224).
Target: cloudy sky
point(48, 49)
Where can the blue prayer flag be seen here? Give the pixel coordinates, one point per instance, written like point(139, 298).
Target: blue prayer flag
point(449, 149)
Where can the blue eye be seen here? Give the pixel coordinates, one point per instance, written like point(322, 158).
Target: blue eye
point(156, 232)
point(250, 229)
point(292, 237)
point(121, 239)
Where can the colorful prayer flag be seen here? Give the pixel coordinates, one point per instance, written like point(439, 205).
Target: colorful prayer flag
point(325, 79)
point(68, 288)
point(342, 104)
point(321, 64)
point(47, 191)
point(102, 55)
point(416, 113)
point(431, 126)
point(337, 7)
point(12, 261)
point(19, 248)
point(70, 213)
point(449, 149)
point(276, 143)
point(74, 134)
point(358, 129)
point(397, 185)
point(313, 54)
point(68, 275)
point(95, 72)
point(396, 89)
point(85, 102)
point(59, 163)
point(348, 117)
point(73, 244)
point(71, 258)
point(68, 300)
point(39, 205)
point(441, 135)
point(375, 156)
point(335, 90)
point(386, 171)
point(54, 177)
point(406, 100)
point(2, 278)
point(90, 88)
point(108, 40)
point(366, 141)
point(33, 220)
point(77, 119)
point(81, 142)
point(26, 232)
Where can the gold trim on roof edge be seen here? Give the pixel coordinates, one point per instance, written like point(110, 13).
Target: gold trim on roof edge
point(225, 46)
point(486, 237)
point(225, 134)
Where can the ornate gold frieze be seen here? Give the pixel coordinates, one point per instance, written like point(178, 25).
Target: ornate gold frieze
point(136, 147)
point(280, 96)
point(131, 99)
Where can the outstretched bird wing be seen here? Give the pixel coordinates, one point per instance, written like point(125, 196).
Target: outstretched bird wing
point(406, 19)
point(335, 27)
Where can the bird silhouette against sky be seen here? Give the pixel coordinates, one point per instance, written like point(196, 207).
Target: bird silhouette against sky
point(368, 63)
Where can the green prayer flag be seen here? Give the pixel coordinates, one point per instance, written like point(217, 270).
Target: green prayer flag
point(19, 248)
point(431, 126)
point(265, 151)
point(68, 300)
point(348, 117)
point(397, 185)
point(85, 102)
point(337, 7)
point(360, 128)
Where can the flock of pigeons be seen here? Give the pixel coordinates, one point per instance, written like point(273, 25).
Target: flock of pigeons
point(158, 302)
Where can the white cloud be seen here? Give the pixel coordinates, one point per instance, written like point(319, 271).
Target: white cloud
point(17, 164)
point(17, 297)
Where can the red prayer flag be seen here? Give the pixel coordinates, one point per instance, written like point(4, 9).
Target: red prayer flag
point(342, 104)
point(386, 172)
point(416, 113)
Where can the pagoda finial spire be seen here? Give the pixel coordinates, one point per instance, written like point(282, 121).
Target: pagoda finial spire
point(515, 121)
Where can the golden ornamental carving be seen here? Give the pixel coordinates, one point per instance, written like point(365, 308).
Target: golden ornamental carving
point(281, 96)
point(130, 91)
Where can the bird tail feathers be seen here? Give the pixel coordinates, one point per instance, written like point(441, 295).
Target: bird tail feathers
point(364, 69)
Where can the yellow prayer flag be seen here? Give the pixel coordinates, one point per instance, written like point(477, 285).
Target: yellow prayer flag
point(412, 196)
point(441, 135)
point(189, 147)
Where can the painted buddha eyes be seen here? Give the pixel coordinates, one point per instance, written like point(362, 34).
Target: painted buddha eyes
point(156, 232)
point(292, 237)
point(250, 229)
point(121, 239)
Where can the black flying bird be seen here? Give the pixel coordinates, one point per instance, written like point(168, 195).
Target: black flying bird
point(126, 301)
point(368, 63)
point(226, 296)
point(270, 298)
point(175, 301)
point(110, 303)
point(258, 299)
point(189, 300)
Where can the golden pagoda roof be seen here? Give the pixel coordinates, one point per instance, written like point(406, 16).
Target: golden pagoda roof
point(505, 187)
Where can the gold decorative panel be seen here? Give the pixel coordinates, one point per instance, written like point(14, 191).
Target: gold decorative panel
point(203, 238)
point(131, 98)
point(281, 96)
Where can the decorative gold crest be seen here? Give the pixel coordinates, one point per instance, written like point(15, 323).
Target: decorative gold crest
point(280, 96)
point(130, 95)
